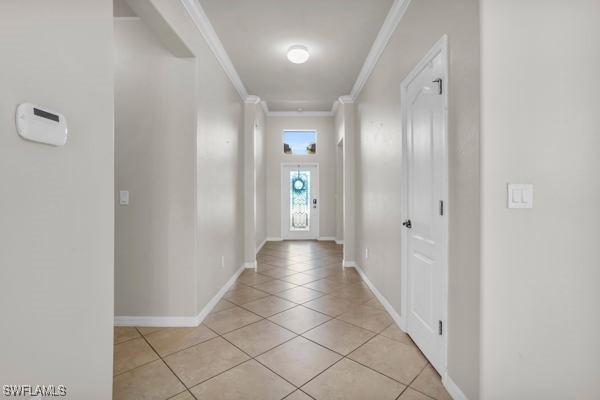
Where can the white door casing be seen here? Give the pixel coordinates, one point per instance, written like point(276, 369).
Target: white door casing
point(424, 244)
point(287, 230)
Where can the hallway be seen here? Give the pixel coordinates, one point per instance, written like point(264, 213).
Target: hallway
point(300, 327)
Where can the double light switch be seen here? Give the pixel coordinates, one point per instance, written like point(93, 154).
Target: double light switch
point(520, 195)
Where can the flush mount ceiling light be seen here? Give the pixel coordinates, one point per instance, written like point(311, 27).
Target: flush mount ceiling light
point(298, 54)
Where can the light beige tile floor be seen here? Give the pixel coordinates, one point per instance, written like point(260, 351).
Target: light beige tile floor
point(298, 328)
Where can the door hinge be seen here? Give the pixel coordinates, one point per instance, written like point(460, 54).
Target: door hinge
point(441, 328)
point(440, 83)
point(441, 207)
point(407, 223)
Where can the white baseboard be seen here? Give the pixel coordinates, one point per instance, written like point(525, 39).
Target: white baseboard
point(180, 321)
point(253, 264)
point(348, 264)
point(260, 246)
point(274, 239)
point(339, 241)
point(156, 321)
point(386, 304)
point(326, 238)
point(217, 297)
point(453, 389)
point(250, 264)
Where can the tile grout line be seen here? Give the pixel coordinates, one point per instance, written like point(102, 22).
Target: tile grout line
point(247, 354)
point(142, 336)
point(342, 356)
point(164, 362)
point(272, 348)
point(296, 335)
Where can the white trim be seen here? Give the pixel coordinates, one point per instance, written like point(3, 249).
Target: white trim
point(334, 107)
point(274, 239)
point(126, 19)
point(330, 113)
point(339, 241)
point(392, 19)
point(196, 12)
point(213, 302)
point(254, 264)
point(180, 321)
point(260, 246)
point(300, 114)
point(265, 107)
point(348, 264)
point(252, 99)
point(326, 239)
point(386, 304)
point(347, 99)
point(441, 46)
point(203, 24)
point(250, 264)
point(453, 389)
point(157, 321)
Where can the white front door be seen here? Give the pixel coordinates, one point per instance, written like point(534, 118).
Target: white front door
point(426, 224)
point(300, 201)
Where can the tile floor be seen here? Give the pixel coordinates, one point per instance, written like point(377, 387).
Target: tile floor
point(300, 327)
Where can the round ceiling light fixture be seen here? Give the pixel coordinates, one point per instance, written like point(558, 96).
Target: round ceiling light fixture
point(298, 54)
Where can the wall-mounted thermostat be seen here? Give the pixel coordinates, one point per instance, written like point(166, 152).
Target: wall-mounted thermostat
point(39, 124)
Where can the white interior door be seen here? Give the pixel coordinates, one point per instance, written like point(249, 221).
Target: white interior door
point(300, 201)
point(426, 224)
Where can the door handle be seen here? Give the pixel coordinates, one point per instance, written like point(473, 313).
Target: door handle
point(407, 224)
point(314, 202)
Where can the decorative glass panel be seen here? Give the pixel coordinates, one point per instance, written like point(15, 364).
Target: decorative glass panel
point(300, 142)
point(299, 200)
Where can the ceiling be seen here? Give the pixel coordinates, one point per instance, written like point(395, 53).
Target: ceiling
point(257, 33)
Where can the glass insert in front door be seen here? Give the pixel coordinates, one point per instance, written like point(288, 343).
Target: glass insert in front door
point(300, 200)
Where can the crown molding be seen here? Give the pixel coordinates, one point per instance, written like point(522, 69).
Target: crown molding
point(313, 114)
point(265, 107)
point(392, 19)
point(299, 114)
point(196, 12)
point(251, 99)
point(346, 99)
point(334, 107)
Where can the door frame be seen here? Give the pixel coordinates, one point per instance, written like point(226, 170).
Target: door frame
point(300, 164)
point(441, 47)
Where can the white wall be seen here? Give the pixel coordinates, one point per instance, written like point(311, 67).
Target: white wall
point(345, 132)
point(219, 161)
point(260, 165)
point(379, 170)
point(325, 157)
point(541, 268)
point(155, 161)
point(339, 191)
point(255, 190)
point(56, 207)
point(183, 155)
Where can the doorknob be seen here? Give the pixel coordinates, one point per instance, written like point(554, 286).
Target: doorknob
point(407, 224)
point(314, 202)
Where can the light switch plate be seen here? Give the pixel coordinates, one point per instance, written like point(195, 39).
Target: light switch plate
point(520, 195)
point(124, 197)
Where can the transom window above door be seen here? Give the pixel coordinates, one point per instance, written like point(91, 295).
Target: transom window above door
point(300, 142)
